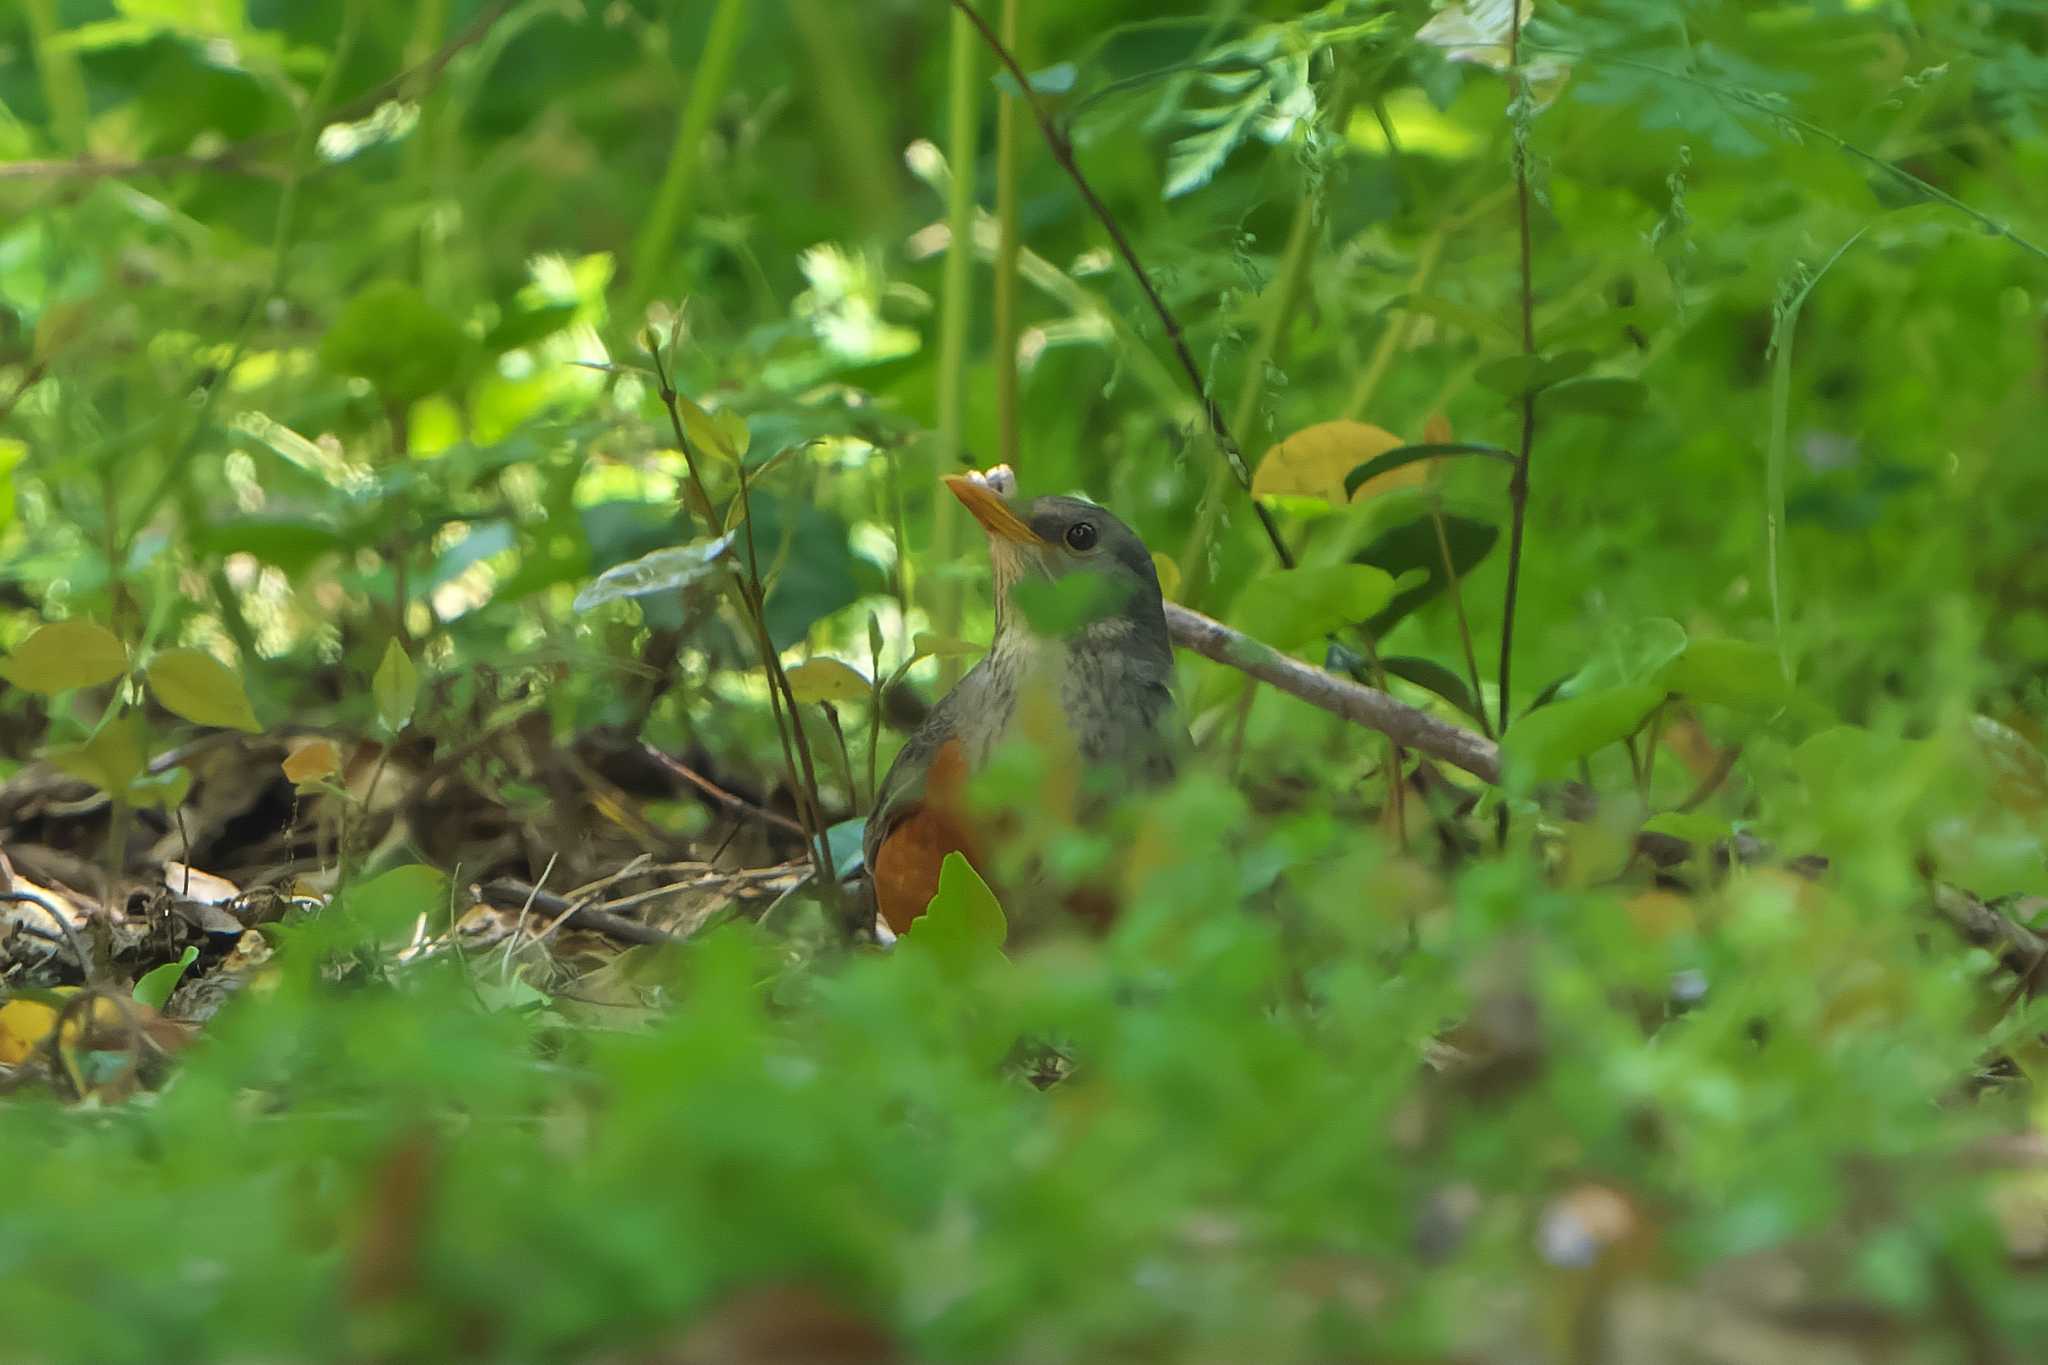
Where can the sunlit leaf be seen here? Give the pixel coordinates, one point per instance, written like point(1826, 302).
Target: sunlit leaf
point(193, 684)
point(665, 570)
point(1315, 460)
point(926, 645)
point(395, 687)
point(111, 759)
point(825, 679)
point(65, 654)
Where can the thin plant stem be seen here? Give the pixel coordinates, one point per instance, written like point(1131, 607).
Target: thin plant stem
point(1783, 325)
point(1009, 136)
point(746, 591)
point(956, 315)
point(63, 85)
point(1443, 545)
point(1062, 149)
point(708, 81)
point(1518, 486)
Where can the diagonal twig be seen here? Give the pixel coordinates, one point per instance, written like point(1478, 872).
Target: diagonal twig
point(1062, 149)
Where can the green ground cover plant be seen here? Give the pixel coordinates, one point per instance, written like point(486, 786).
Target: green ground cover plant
point(472, 535)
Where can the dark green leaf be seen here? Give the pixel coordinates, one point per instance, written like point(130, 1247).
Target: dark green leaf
point(1412, 547)
point(1434, 677)
point(1407, 455)
point(390, 335)
point(1613, 397)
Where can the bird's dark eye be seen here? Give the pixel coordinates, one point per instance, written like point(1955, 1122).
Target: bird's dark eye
point(1081, 536)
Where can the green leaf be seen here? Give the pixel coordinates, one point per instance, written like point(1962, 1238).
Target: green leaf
point(1411, 547)
point(110, 760)
point(828, 680)
point(964, 925)
point(1292, 607)
point(395, 687)
point(927, 645)
point(1545, 744)
point(1407, 455)
point(1434, 677)
point(1728, 673)
point(1056, 79)
point(293, 545)
point(665, 570)
point(733, 429)
point(1059, 607)
point(390, 335)
point(165, 791)
point(516, 330)
point(389, 903)
point(704, 433)
point(155, 986)
point(1635, 653)
point(63, 655)
point(1515, 375)
point(193, 684)
point(1614, 397)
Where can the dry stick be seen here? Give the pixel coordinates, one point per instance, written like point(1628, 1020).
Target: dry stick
point(1368, 706)
point(510, 889)
point(1062, 151)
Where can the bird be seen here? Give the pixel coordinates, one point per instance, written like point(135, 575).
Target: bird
point(1099, 696)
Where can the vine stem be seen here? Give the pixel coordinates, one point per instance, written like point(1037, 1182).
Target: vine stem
point(1062, 149)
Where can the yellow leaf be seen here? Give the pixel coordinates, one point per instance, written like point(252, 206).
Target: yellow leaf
point(827, 680)
point(23, 1026)
point(1314, 461)
point(1169, 575)
point(312, 761)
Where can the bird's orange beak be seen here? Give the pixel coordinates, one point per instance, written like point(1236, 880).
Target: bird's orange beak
point(992, 511)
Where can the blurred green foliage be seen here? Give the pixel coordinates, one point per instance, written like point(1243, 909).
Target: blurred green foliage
point(324, 324)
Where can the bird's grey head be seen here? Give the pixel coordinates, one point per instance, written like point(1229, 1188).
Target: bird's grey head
point(1055, 537)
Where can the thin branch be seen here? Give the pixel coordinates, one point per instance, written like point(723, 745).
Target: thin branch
point(1062, 149)
point(2022, 949)
point(737, 804)
point(1518, 486)
point(1368, 706)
